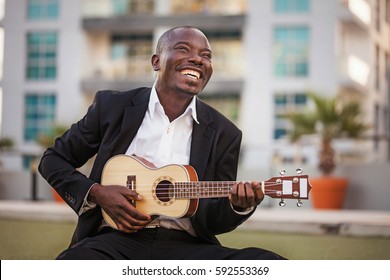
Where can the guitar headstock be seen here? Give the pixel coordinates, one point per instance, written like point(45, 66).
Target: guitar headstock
point(288, 187)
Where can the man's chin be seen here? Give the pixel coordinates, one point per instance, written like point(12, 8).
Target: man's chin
point(192, 91)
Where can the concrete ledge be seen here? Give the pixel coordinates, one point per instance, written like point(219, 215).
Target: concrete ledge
point(308, 221)
point(37, 211)
point(338, 222)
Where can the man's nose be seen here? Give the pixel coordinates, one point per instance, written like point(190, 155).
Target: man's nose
point(196, 58)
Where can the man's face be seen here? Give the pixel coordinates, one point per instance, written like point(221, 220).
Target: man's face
point(184, 65)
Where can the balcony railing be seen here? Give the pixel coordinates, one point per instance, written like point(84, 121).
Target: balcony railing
point(113, 8)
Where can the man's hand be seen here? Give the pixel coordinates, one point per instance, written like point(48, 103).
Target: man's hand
point(115, 201)
point(245, 195)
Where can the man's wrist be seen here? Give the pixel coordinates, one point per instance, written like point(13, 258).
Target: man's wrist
point(92, 194)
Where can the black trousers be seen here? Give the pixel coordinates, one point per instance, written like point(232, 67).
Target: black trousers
point(157, 244)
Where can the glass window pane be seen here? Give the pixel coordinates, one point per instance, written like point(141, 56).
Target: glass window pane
point(42, 9)
point(39, 115)
point(280, 100)
point(279, 133)
point(41, 54)
point(131, 55)
point(52, 11)
point(291, 6)
point(286, 103)
point(300, 99)
point(290, 51)
point(50, 72)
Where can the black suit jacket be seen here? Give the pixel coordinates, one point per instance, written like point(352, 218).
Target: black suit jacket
point(109, 127)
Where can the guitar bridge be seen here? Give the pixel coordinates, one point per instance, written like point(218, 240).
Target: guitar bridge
point(130, 184)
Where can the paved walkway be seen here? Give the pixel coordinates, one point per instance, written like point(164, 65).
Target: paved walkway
point(341, 222)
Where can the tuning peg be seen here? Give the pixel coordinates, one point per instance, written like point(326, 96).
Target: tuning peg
point(299, 203)
point(299, 171)
point(282, 172)
point(282, 203)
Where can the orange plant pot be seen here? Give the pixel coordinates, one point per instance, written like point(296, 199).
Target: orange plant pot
point(328, 192)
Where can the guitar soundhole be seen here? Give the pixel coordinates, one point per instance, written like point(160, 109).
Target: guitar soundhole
point(164, 191)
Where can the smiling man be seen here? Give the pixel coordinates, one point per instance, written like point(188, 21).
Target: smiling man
point(163, 125)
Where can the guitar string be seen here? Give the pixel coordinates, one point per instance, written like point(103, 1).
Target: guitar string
point(212, 185)
point(193, 196)
point(192, 188)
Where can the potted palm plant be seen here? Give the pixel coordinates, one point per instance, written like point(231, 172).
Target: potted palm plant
point(45, 140)
point(331, 118)
point(5, 144)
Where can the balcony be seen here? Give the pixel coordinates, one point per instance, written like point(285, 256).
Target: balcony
point(355, 14)
point(130, 16)
point(354, 73)
point(131, 23)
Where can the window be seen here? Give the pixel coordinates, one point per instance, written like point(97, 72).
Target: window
point(227, 52)
point(285, 103)
point(123, 7)
point(228, 105)
point(130, 55)
point(42, 9)
point(228, 7)
point(41, 56)
point(39, 115)
point(291, 6)
point(291, 51)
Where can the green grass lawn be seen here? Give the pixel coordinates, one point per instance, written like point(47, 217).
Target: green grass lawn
point(45, 240)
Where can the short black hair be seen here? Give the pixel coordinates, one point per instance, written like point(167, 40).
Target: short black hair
point(167, 36)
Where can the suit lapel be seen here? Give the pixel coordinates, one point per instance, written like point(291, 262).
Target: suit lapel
point(132, 120)
point(202, 139)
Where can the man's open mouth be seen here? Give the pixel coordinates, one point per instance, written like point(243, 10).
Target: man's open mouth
point(191, 73)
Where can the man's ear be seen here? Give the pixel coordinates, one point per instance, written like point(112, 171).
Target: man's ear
point(156, 62)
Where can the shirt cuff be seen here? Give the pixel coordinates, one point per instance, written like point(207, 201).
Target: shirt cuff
point(244, 212)
point(87, 205)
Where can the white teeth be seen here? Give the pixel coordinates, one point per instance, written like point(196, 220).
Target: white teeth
point(191, 73)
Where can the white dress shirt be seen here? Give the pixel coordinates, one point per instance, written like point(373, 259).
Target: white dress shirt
point(162, 142)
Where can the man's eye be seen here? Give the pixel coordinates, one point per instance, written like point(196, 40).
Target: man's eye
point(183, 48)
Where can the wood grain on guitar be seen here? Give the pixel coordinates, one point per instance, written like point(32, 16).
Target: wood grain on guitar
point(174, 190)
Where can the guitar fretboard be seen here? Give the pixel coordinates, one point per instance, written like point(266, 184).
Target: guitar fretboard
point(203, 189)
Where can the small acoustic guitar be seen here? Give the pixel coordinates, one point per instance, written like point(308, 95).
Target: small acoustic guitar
point(174, 190)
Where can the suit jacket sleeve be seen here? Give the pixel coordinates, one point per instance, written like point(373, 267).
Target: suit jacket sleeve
point(70, 151)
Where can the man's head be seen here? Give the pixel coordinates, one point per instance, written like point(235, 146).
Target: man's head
point(182, 60)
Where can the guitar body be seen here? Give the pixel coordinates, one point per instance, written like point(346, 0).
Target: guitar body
point(153, 184)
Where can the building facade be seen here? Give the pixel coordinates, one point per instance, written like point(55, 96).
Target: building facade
point(268, 55)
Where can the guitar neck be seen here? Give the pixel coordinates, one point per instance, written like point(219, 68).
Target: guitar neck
point(203, 189)
point(276, 187)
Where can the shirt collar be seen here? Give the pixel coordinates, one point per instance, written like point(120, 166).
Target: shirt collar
point(154, 101)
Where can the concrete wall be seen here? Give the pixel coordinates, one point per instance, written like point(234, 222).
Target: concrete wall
point(18, 185)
